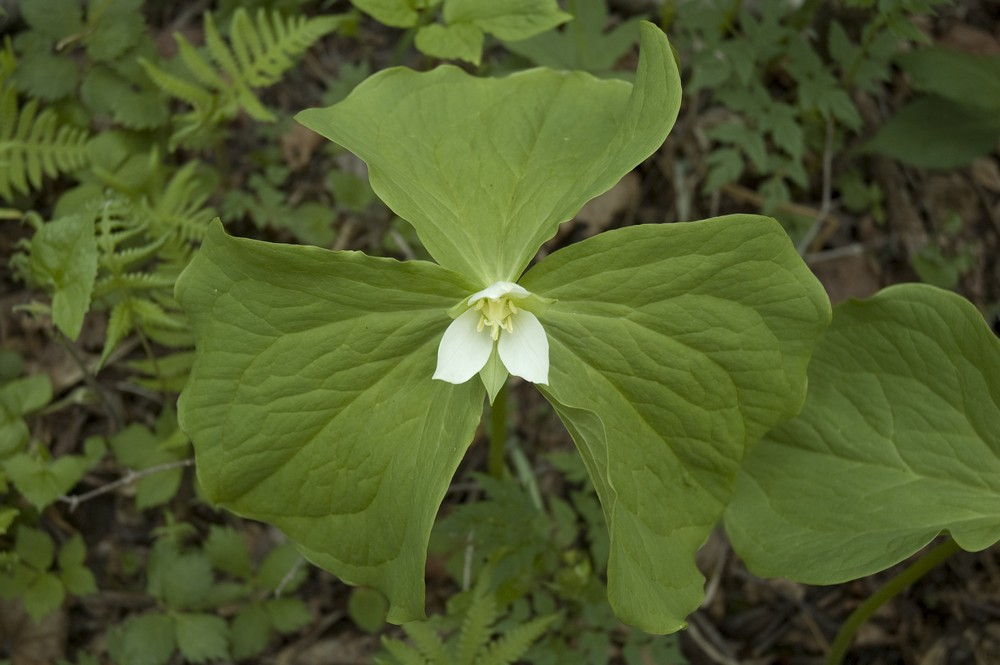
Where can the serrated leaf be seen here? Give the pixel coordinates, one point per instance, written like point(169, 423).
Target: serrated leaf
point(35, 548)
point(288, 614)
point(43, 481)
point(105, 91)
point(114, 26)
point(78, 580)
point(250, 632)
point(462, 41)
point(201, 637)
point(227, 551)
point(898, 440)
point(53, 18)
point(257, 439)
point(7, 516)
point(46, 75)
point(43, 596)
point(146, 640)
point(64, 261)
point(538, 177)
point(73, 552)
point(507, 19)
point(672, 349)
point(180, 580)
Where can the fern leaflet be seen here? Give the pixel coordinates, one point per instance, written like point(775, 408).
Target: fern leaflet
point(33, 144)
point(223, 81)
point(476, 626)
point(515, 642)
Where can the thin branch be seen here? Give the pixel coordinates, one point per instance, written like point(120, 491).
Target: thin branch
point(75, 500)
point(278, 590)
point(827, 202)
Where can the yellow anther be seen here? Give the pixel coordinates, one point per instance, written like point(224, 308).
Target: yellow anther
point(497, 314)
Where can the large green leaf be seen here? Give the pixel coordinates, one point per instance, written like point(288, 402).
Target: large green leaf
point(311, 403)
point(899, 439)
point(964, 78)
point(486, 169)
point(674, 347)
point(937, 133)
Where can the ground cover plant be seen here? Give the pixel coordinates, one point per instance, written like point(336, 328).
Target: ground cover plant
point(673, 411)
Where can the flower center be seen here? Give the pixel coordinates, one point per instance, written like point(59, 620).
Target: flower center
point(496, 314)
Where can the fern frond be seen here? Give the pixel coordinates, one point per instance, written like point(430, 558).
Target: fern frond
point(120, 324)
point(176, 339)
point(8, 61)
point(128, 257)
point(428, 642)
point(403, 653)
point(515, 642)
point(197, 64)
point(34, 144)
point(175, 86)
point(132, 281)
point(179, 213)
point(151, 314)
point(476, 626)
point(266, 51)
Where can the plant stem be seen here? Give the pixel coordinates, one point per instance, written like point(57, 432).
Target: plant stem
point(498, 434)
point(885, 593)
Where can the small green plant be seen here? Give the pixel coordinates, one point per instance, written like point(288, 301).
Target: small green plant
point(310, 393)
point(185, 582)
point(33, 141)
point(464, 23)
point(769, 131)
point(260, 52)
point(957, 116)
point(34, 573)
point(474, 643)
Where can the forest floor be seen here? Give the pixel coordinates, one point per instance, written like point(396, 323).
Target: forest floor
point(950, 617)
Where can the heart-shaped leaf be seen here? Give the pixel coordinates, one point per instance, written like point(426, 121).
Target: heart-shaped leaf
point(899, 440)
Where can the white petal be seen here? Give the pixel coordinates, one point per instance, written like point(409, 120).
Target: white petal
point(463, 351)
point(499, 290)
point(525, 352)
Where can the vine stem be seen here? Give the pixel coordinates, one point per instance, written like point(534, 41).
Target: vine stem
point(884, 594)
point(498, 434)
point(75, 500)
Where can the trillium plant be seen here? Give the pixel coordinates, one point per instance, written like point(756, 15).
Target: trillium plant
point(334, 393)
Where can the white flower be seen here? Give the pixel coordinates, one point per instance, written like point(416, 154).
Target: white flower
point(494, 318)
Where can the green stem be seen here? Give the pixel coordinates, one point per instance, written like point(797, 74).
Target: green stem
point(498, 434)
point(883, 594)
